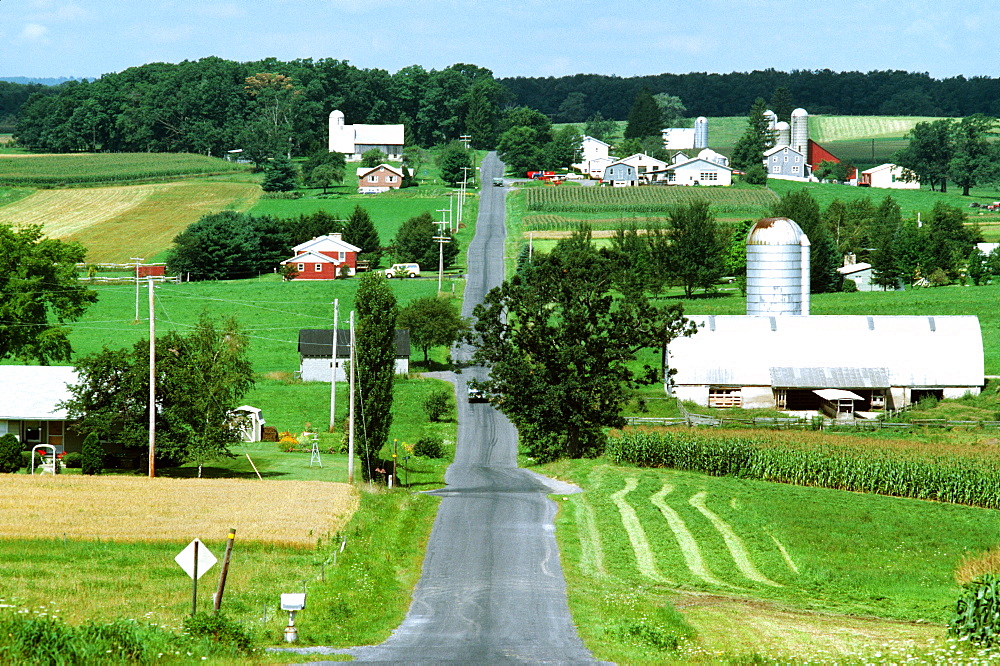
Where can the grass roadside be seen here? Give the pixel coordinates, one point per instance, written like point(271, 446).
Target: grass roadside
point(626, 574)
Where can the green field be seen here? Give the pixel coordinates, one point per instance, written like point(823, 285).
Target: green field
point(645, 199)
point(107, 168)
point(637, 542)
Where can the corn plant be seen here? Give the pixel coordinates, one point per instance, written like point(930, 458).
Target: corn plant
point(977, 612)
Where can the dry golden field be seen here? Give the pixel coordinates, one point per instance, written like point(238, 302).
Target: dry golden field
point(116, 223)
point(117, 508)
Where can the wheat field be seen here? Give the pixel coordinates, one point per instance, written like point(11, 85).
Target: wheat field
point(117, 508)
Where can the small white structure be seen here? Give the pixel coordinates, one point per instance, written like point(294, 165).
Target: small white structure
point(30, 397)
point(699, 172)
point(316, 354)
point(594, 157)
point(354, 140)
point(889, 176)
point(860, 274)
point(711, 156)
point(778, 362)
point(250, 422)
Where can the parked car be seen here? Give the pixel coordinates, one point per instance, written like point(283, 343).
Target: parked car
point(403, 270)
point(476, 394)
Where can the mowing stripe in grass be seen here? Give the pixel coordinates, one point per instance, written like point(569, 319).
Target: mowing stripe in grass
point(736, 548)
point(686, 541)
point(784, 554)
point(591, 551)
point(645, 559)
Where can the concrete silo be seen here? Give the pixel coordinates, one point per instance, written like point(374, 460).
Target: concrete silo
point(800, 131)
point(777, 268)
point(772, 119)
point(784, 134)
point(701, 133)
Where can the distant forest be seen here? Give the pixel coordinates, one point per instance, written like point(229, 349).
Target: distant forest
point(575, 98)
point(213, 105)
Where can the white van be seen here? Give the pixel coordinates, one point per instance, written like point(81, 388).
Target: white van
point(403, 270)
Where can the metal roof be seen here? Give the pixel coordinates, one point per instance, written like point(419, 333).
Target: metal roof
point(318, 342)
point(734, 350)
point(837, 394)
point(819, 378)
point(33, 392)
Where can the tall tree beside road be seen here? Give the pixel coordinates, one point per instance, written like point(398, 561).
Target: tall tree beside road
point(929, 153)
point(39, 292)
point(360, 230)
point(749, 148)
point(415, 242)
point(375, 353)
point(975, 159)
point(560, 337)
point(483, 118)
point(455, 163)
point(645, 118)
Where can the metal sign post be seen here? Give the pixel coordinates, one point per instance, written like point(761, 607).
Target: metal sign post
point(187, 559)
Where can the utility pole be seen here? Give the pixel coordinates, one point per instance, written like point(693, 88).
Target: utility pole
point(465, 138)
point(333, 367)
point(350, 432)
point(461, 201)
point(137, 260)
point(152, 380)
point(441, 239)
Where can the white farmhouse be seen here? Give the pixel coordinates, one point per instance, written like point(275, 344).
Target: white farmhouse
point(594, 157)
point(354, 140)
point(786, 163)
point(889, 176)
point(699, 172)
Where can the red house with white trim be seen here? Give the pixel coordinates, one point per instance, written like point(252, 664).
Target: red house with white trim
point(323, 258)
point(381, 178)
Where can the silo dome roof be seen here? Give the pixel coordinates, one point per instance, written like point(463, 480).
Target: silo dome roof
point(782, 125)
point(777, 231)
point(701, 119)
point(799, 112)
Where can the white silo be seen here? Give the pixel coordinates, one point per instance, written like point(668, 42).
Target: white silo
point(341, 135)
point(772, 119)
point(701, 133)
point(784, 134)
point(800, 131)
point(777, 268)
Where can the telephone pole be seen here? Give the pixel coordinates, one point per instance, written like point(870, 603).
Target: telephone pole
point(152, 379)
point(333, 366)
point(441, 239)
point(350, 431)
point(137, 260)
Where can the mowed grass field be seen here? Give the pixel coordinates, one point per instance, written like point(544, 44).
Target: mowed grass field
point(116, 223)
point(757, 568)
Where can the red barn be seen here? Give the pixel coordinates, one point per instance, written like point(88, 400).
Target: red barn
point(323, 258)
point(819, 154)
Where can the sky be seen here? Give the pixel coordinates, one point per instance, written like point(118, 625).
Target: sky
point(87, 38)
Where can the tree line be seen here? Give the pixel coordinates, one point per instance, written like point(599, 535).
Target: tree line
point(266, 107)
point(577, 97)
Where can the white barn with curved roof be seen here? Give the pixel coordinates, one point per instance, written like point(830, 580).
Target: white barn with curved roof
point(782, 361)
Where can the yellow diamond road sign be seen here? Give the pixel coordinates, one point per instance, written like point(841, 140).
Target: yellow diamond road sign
point(186, 559)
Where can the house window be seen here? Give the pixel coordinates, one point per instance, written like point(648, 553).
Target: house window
point(708, 175)
point(642, 169)
point(301, 267)
point(33, 431)
point(796, 159)
point(390, 179)
point(774, 158)
point(725, 397)
point(342, 255)
point(671, 177)
point(786, 157)
point(318, 268)
point(776, 169)
point(795, 169)
point(373, 178)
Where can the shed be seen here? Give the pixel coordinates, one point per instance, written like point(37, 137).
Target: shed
point(861, 275)
point(778, 362)
point(889, 176)
point(316, 353)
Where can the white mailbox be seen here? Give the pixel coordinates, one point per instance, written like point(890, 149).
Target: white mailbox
point(295, 601)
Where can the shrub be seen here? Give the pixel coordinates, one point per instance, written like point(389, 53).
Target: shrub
point(93, 455)
point(977, 612)
point(287, 442)
point(10, 454)
point(756, 175)
point(220, 630)
point(438, 404)
point(849, 286)
point(429, 447)
point(73, 460)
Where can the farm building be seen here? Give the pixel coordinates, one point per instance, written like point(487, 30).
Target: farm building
point(354, 140)
point(687, 138)
point(699, 172)
point(593, 157)
point(324, 258)
point(781, 362)
point(620, 174)
point(889, 176)
point(381, 178)
point(644, 163)
point(316, 353)
point(860, 274)
point(30, 397)
point(785, 163)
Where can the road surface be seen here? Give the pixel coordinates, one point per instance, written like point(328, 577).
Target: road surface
point(492, 588)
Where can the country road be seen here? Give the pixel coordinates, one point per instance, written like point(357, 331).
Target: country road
point(491, 589)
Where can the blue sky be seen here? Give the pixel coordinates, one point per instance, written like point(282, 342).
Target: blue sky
point(86, 38)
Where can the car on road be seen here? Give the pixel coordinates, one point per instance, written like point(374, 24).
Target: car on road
point(498, 182)
point(476, 394)
point(403, 270)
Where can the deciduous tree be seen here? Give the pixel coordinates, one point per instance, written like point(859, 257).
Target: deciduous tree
point(433, 321)
point(929, 152)
point(39, 292)
point(455, 163)
point(697, 250)
point(415, 242)
point(975, 159)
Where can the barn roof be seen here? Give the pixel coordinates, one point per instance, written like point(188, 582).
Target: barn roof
point(850, 351)
point(33, 392)
point(318, 342)
point(379, 135)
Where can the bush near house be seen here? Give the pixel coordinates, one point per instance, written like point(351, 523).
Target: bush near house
point(10, 454)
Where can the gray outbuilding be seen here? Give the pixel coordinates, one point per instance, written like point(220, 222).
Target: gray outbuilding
point(316, 353)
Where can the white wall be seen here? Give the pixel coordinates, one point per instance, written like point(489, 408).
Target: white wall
point(318, 369)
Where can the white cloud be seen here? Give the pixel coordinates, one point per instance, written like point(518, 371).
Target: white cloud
point(34, 33)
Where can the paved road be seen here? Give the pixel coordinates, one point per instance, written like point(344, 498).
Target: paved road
point(492, 589)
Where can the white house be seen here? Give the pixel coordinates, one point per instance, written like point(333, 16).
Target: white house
point(593, 157)
point(354, 140)
point(786, 163)
point(699, 172)
point(780, 362)
point(30, 397)
point(889, 176)
point(644, 163)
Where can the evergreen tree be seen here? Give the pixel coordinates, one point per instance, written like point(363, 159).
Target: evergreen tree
point(455, 163)
point(885, 267)
point(749, 148)
point(279, 175)
point(92, 455)
point(824, 259)
point(359, 230)
point(482, 119)
point(415, 242)
point(375, 354)
point(644, 119)
point(10, 454)
point(781, 103)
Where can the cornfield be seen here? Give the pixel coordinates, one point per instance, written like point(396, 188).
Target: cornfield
point(627, 200)
point(106, 168)
point(941, 478)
